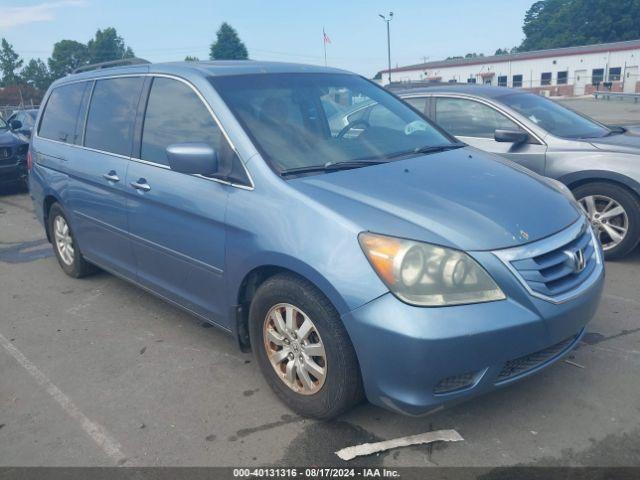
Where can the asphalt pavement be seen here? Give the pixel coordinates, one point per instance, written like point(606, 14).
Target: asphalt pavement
point(98, 372)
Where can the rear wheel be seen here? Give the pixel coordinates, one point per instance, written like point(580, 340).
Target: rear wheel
point(303, 349)
point(65, 246)
point(615, 214)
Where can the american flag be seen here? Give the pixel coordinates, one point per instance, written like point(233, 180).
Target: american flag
point(325, 37)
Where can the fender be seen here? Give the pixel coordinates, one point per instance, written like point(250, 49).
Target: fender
point(237, 311)
point(595, 175)
point(287, 262)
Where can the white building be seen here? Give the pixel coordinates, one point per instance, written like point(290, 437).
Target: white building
point(559, 71)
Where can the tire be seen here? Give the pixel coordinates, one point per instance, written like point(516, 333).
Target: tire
point(602, 192)
point(341, 387)
point(71, 261)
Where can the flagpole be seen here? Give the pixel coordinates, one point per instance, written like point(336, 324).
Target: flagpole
point(324, 44)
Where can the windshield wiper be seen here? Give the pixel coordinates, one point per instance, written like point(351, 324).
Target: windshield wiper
point(615, 130)
point(331, 166)
point(427, 149)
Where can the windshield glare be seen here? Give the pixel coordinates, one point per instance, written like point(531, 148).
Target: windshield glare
point(3, 124)
point(554, 118)
point(304, 120)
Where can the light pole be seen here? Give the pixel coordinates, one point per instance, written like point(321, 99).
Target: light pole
point(388, 19)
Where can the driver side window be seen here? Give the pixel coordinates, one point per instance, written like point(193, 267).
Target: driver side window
point(468, 118)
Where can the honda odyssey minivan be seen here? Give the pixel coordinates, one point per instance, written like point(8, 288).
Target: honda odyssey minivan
point(383, 260)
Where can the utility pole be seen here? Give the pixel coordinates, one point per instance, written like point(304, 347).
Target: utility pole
point(387, 20)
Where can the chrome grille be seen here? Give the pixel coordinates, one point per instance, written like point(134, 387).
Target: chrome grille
point(6, 156)
point(557, 267)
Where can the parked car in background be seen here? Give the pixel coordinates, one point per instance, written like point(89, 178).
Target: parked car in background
point(21, 122)
point(13, 157)
point(388, 260)
point(599, 163)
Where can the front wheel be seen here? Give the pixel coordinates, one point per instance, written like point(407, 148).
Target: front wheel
point(302, 348)
point(615, 214)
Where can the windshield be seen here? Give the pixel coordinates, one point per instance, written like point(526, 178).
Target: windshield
point(306, 120)
point(554, 118)
point(3, 124)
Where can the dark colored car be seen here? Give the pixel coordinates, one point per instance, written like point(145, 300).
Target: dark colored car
point(21, 122)
point(13, 157)
point(599, 163)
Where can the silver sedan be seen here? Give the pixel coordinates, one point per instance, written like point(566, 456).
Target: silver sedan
point(599, 163)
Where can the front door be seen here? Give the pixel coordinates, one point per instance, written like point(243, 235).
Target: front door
point(97, 174)
point(579, 82)
point(631, 79)
point(177, 221)
point(475, 123)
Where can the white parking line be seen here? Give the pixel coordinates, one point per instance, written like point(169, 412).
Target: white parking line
point(96, 431)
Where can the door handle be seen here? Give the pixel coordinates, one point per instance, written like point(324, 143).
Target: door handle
point(141, 184)
point(111, 176)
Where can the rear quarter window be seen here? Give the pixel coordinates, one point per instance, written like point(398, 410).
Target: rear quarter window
point(112, 114)
point(60, 116)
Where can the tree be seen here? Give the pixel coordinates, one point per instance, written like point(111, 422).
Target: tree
point(67, 56)
point(10, 61)
point(106, 46)
point(567, 23)
point(468, 55)
point(506, 51)
point(228, 45)
point(189, 58)
point(37, 74)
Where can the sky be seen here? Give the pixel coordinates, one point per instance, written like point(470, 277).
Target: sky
point(280, 30)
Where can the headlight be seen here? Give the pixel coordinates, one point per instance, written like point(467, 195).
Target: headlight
point(428, 275)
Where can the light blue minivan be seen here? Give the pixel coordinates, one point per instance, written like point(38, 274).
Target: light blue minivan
point(379, 258)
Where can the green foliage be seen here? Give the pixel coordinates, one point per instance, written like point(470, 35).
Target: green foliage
point(228, 45)
point(37, 74)
point(106, 46)
point(67, 56)
point(189, 58)
point(566, 23)
point(468, 55)
point(10, 61)
point(506, 51)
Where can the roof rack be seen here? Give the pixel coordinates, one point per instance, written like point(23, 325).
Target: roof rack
point(112, 63)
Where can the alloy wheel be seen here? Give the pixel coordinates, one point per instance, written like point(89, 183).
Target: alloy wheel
point(608, 217)
point(295, 349)
point(64, 242)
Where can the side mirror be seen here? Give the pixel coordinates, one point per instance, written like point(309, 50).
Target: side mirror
point(192, 158)
point(511, 136)
point(15, 124)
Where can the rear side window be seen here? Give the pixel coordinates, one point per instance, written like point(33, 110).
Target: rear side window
point(419, 103)
point(175, 114)
point(112, 114)
point(61, 113)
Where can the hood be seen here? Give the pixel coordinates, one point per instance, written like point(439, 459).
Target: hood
point(628, 142)
point(8, 138)
point(461, 198)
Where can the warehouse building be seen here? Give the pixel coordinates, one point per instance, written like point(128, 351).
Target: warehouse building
point(559, 71)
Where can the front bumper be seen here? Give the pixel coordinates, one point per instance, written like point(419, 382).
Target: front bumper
point(413, 359)
point(13, 171)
